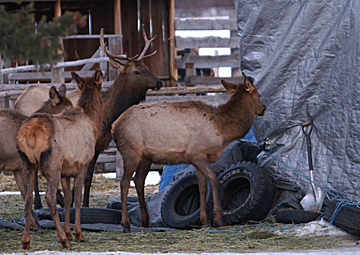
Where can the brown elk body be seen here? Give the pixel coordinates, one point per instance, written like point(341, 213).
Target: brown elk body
point(145, 134)
point(129, 88)
point(10, 122)
point(61, 146)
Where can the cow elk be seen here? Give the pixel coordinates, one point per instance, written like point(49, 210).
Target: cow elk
point(145, 134)
point(129, 88)
point(61, 146)
point(10, 122)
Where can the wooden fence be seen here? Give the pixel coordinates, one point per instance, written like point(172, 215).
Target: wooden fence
point(191, 61)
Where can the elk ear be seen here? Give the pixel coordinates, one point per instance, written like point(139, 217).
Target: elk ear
point(54, 95)
point(62, 90)
point(98, 78)
point(249, 86)
point(229, 86)
point(79, 80)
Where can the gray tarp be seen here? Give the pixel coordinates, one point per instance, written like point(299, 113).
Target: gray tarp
point(304, 58)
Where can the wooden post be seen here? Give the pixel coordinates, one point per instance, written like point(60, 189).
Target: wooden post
point(235, 72)
point(189, 71)
point(117, 17)
point(56, 76)
point(1, 67)
point(173, 69)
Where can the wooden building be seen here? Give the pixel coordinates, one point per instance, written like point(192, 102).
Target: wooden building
point(117, 17)
point(121, 20)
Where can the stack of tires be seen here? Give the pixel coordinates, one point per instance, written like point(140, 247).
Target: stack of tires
point(245, 190)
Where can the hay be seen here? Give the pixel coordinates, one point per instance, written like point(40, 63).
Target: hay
point(248, 239)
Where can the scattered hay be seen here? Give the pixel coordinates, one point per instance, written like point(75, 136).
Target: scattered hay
point(232, 239)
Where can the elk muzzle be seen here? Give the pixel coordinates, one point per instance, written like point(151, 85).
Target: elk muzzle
point(158, 86)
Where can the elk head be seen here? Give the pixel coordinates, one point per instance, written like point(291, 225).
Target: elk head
point(134, 67)
point(248, 88)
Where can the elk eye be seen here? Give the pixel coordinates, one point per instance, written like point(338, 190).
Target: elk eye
point(137, 72)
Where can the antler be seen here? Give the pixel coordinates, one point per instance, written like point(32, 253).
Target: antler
point(147, 44)
point(102, 43)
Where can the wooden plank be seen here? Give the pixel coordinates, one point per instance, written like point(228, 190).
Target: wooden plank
point(205, 24)
point(217, 99)
point(159, 64)
point(173, 68)
point(88, 66)
point(207, 42)
point(58, 65)
point(194, 80)
point(129, 20)
point(209, 61)
point(90, 36)
point(45, 76)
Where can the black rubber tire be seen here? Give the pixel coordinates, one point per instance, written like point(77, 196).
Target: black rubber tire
point(115, 202)
point(88, 215)
point(348, 218)
point(246, 193)
point(180, 207)
point(289, 216)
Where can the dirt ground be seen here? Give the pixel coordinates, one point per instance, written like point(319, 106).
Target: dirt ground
point(266, 237)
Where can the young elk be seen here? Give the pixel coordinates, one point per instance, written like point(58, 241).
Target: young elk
point(144, 134)
point(61, 146)
point(129, 88)
point(10, 122)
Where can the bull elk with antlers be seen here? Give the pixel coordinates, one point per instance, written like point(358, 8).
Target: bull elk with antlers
point(129, 88)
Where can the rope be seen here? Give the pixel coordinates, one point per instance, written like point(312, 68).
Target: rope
point(339, 205)
point(302, 175)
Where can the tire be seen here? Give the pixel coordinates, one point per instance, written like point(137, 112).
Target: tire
point(180, 207)
point(289, 216)
point(88, 215)
point(97, 215)
point(246, 193)
point(348, 218)
point(115, 202)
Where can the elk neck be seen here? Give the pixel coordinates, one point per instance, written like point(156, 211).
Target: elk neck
point(235, 117)
point(118, 98)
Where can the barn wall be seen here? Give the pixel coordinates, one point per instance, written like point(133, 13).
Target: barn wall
point(155, 16)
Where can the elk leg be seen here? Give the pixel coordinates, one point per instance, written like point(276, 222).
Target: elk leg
point(78, 185)
point(59, 199)
point(139, 180)
point(88, 179)
point(19, 179)
point(202, 189)
point(202, 165)
point(37, 201)
point(50, 197)
point(29, 174)
point(65, 182)
point(129, 168)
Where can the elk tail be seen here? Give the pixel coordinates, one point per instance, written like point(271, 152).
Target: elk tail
point(33, 138)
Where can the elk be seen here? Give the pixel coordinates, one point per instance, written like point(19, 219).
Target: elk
point(144, 134)
point(129, 88)
point(61, 146)
point(10, 122)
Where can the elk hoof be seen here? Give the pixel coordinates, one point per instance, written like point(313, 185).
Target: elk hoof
point(68, 235)
point(217, 223)
point(65, 243)
point(26, 245)
point(126, 230)
point(79, 237)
